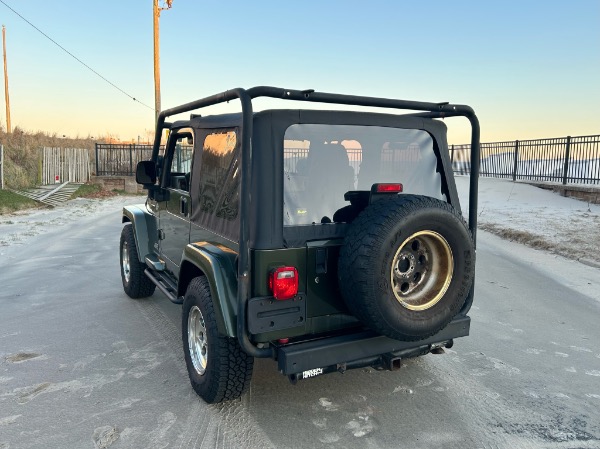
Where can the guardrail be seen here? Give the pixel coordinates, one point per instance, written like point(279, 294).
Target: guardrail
point(568, 160)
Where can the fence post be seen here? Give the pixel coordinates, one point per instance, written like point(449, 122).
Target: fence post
point(516, 160)
point(452, 155)
point(1, 167)
point(567, 156)
point(130, 160)
point(97, 164)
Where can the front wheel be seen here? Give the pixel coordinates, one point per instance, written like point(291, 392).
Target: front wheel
point(219, 370)
point(135, 283)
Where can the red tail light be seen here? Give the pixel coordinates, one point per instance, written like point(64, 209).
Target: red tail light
point(389, 188)
point(283, 283)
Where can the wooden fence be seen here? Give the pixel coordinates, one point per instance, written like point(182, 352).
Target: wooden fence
point(65, 164)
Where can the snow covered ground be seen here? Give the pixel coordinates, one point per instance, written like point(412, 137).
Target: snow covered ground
point(514, 211)
point(19, 227)
point(536, 217)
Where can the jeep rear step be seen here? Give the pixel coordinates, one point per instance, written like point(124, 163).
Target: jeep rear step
point(365, 348)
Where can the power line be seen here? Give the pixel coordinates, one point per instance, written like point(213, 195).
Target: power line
point(75, 57)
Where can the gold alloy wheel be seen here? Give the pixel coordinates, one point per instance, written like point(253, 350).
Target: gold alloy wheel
point(422, 270)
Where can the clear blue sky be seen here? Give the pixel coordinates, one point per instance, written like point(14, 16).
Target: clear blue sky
point(530, 69)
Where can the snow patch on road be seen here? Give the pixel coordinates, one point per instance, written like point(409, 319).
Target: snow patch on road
point(18, 228)
point(9, 420)
point(536, 217)
point(103, 437)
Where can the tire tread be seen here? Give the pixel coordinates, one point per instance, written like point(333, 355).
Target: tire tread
point(229, 372)
point(139, 286)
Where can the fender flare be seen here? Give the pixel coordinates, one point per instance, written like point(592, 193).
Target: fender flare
point(144, 228)
point(219, 265)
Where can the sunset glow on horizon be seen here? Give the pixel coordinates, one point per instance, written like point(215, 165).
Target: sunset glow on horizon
point(530, 70)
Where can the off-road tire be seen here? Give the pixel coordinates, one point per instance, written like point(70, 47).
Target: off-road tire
point(228, 369)
point(379, 252)
point(135, 283)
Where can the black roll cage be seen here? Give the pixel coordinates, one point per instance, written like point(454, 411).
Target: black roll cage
point(429, 110)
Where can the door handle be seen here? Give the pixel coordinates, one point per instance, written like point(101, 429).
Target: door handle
point(184, 206)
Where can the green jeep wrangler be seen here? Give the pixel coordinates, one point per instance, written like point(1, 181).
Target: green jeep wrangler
point(323, 239)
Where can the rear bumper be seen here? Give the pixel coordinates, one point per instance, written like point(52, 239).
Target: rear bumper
point(364, 346)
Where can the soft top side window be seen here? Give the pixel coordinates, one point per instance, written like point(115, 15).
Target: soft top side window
point(219, 175)
point(179, 155)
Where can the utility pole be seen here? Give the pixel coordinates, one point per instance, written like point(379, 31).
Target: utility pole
point(156, 15)
point(8, 127)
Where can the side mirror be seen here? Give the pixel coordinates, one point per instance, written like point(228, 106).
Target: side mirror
point(145, 173)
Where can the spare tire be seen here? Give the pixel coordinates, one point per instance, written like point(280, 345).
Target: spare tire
point(406, 266)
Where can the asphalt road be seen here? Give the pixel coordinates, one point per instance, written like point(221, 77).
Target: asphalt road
point(84, 366)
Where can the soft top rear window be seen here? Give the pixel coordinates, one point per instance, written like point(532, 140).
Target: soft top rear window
point(322, 162)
